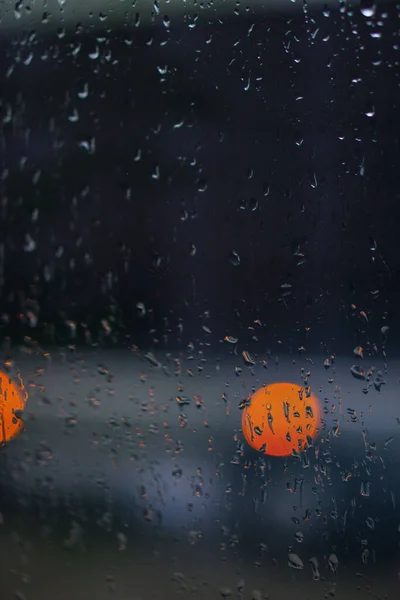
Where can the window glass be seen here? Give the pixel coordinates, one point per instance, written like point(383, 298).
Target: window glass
point(199, 264)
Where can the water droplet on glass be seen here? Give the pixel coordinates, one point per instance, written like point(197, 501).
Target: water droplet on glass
point(30, 244)
point(177, 472)
point(357, 372)
point(294, 561)
point(74, 117)
point(253, 204)
point(365, 555)
point(248, 359)
point(299, 536)
point(364, 489)
point(313, 181)
point(333, 562)
point(370, 522)
point(202, 185)
point(141, 309)
point(314, 568)
point(84, 92)
point(122, 541)
point(367, 8)
point(234, 258)
point(152, 359)
point(95, 54)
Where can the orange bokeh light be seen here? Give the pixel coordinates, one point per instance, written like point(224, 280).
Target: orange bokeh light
point(281, 418)
point(12, 400)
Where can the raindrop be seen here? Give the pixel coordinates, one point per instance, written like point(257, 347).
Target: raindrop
point(333, 562)
point(84, 92)
point(270, 422)
point(234, 258)
point(141, 309)
point(314, 568)
point(387, 442)
point(17, 9)
point(365, 555)
point(30, 244)
point(378, 382)
point(122, 541)
point(370, 522)
point(74, 117)
point(183, 400)
point(367, 8)
point(94, 55)
point(294, 561)
point(364, 489)
point(357, 372)
point(88, 145)
point(152, 359)
point(309, 412)
point(177, 472)
point(202, 185)
point(314, 182)
point(253, 204)
point(299, 536)
point(248, 359)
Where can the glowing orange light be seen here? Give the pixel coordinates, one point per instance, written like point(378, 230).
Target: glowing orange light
point(12, 400)
point(281, 418)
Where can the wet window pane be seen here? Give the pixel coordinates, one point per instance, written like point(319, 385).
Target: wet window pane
point(199, 208)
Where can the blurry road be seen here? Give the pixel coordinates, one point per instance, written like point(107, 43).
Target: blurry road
point(108, 450)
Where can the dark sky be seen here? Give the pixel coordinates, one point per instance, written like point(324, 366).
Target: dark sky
point(269, 137)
